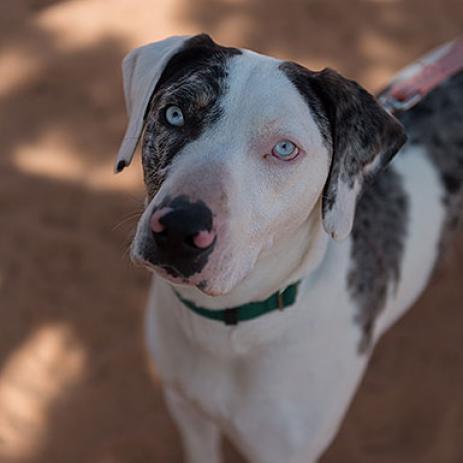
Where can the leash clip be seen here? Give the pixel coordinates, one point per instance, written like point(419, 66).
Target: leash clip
point(393, 104)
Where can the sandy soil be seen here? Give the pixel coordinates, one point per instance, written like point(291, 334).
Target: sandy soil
point(74, 379)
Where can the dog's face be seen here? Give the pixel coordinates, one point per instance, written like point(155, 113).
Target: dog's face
point(237, 151)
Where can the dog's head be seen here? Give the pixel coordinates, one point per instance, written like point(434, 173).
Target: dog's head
point(238, 150)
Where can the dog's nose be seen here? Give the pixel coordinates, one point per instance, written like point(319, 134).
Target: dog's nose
point(183, 228)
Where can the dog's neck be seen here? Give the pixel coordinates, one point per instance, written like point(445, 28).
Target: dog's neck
point(284, 263)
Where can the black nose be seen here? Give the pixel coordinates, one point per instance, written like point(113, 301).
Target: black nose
point(183, 235)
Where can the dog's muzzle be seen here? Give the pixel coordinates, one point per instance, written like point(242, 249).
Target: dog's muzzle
point(181, 237)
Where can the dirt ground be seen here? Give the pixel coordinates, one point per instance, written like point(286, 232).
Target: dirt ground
point(74, 380)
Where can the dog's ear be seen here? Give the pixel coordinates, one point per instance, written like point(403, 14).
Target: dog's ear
point(364, 138)
point(141, 70)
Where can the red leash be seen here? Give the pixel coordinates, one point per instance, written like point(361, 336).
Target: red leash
point(414, 82)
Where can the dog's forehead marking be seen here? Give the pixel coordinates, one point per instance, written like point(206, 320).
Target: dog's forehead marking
point(196, 84)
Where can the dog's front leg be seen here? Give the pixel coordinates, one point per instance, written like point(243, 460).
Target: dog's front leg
point(200, 436)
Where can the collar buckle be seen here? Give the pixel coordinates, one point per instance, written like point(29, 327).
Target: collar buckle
point(231, 316)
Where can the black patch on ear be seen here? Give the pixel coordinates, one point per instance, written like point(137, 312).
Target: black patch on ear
point(195, 80)
point(353, 123)
point(120, 166)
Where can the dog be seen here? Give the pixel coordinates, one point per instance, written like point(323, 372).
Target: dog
point(271, 193)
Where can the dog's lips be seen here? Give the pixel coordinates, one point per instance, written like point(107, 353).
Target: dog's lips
point(170, 274)
point(210, 285)
point(201, 286)
point(167, 274)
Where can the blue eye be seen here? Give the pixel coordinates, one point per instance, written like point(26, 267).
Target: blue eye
point(174, 116)
point(285, 150)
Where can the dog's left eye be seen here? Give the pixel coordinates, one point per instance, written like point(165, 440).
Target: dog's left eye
point(285, 150)
point(174, 116)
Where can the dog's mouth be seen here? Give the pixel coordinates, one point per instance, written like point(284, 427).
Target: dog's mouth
point(167, 272)
point(172, 275)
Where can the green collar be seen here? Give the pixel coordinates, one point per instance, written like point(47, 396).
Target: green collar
point(241, 313)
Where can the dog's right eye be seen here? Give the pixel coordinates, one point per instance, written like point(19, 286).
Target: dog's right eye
point(174, 116)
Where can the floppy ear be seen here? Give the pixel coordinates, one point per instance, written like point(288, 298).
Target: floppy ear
point(364, 138)
point(141, 70)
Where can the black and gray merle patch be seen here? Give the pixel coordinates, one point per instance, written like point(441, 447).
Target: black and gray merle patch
point(436, 124)
point(378, 239)
point(194, 79)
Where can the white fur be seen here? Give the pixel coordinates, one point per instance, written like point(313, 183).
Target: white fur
point(277, 386)
point(340, 219)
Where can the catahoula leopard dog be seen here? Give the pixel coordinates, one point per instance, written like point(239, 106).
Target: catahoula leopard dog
point(283, 239)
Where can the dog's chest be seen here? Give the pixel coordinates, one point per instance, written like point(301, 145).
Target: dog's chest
point(289, 384)
point(273, 361)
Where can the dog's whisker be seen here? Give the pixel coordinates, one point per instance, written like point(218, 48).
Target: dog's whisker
point(135, 198)
point(132, 216)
